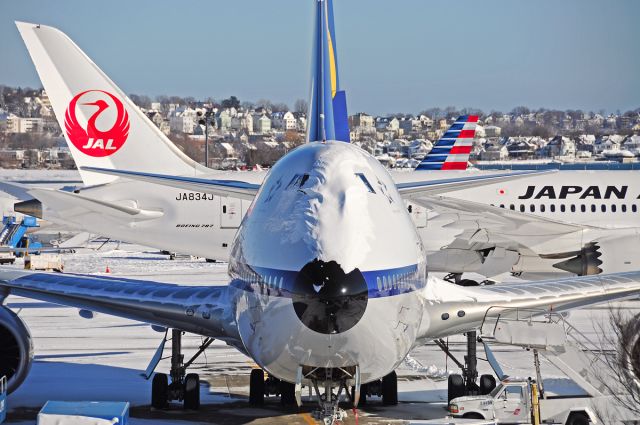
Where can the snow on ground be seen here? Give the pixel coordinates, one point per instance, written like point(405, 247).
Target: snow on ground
point(39, 175)
point(102, 358)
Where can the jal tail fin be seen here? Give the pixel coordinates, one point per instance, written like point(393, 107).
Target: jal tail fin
point(101, 125)
point(328, 118)
point(452, 151)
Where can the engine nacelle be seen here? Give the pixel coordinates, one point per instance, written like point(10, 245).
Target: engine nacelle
point(16, 349)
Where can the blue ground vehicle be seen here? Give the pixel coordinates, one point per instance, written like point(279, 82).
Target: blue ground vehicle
point(14, 235)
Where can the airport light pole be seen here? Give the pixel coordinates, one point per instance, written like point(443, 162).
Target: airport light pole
point(206, 121)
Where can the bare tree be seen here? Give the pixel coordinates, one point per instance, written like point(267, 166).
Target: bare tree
point(620, 340)
point(280, 107)
point(264, 103)
point(301, 106)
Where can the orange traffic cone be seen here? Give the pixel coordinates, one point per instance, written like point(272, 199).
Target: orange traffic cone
point(107, 270)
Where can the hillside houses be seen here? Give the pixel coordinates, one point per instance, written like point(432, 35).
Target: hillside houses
point(241, 133)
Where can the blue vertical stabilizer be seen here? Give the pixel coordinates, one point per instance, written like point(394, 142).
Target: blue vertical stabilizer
point(328, 119)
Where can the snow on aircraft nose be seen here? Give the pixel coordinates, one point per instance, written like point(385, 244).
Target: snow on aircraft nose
point(328, 300)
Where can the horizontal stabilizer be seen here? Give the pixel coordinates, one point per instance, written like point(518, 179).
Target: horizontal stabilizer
point(231, 188)
point(74, 204)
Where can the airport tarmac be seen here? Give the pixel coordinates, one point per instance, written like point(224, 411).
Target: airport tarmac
point(102, 358)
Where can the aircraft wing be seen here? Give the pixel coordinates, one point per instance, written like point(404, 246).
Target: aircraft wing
point(205, 310)
point(453, 309)
point(17, 190)
point(474, 215)
point(231, 188)
point(421, 188)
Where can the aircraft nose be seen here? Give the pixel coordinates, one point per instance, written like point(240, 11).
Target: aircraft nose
point(326, 299)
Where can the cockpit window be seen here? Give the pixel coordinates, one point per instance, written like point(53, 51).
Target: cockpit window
point(298, 181)
point(366, 182)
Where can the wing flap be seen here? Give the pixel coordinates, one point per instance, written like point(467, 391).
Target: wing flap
point(227, 188)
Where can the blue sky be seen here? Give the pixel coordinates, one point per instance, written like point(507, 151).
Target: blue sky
point(395, 56)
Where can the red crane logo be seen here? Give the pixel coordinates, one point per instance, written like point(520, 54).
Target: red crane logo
point(91, 141)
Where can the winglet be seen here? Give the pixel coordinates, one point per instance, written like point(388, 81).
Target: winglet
point(328, 119)
point(452, 151)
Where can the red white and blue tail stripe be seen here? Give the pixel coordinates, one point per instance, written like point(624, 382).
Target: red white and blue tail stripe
point(452, 151)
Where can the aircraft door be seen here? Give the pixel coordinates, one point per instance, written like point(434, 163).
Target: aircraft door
point(418, 215)
point(230, 213)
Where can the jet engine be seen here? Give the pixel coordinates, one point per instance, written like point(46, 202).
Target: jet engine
point(16, 349)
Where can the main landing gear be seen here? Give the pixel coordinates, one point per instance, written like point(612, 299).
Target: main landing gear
point(184, 386)
point(259, 387)
point(328, 385)
point(465, 384)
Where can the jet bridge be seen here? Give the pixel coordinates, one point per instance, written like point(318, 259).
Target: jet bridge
point(550, 335)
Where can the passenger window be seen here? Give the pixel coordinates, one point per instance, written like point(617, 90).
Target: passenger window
point(603, 208)
point(512, 207)
point(562, 208)
point(583, 208)
point(573, 208)
point(593, 207)
point(542, 208)
point(521, 208)
point(553, 207)
point(613, 208)
point(532, 208)
point(501, 205)
point(634, 208)
point(624, 207)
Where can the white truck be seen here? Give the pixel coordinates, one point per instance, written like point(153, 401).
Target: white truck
point(515, 401)
point(523, 401)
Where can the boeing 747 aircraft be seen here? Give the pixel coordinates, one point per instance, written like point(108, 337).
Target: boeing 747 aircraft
point(328, 278)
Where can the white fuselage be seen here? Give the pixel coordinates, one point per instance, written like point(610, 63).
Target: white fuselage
point(324, 278)
point(200, 224)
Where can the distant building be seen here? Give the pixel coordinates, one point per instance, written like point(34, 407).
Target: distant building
point(285, 121)
point(262, 125)
point(182, 120)
point(494, 152)
point(361, 120)
point(521, 148)
point(492, 131)
point(16, 124)
point(12, 158)
point(223, 120)
point(560, 146)
point(410, 124)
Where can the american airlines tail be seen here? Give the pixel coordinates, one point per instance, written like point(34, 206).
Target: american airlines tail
point(101, 125)
point(452, 151)
point(327, 118)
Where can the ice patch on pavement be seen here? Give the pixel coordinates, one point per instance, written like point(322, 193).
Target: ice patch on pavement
point(432, 372)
